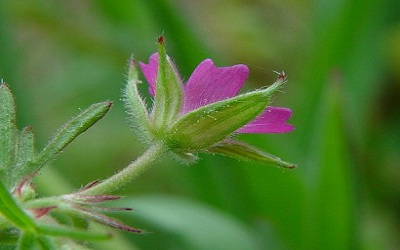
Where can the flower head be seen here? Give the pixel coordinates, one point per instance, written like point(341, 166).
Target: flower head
point(209, 84)
point(203, 113)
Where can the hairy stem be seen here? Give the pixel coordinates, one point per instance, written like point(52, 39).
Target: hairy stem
point(129, 173)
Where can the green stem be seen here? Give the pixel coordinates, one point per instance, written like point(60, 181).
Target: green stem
point(44, 202)
point(13, 212)
point(130, 172)
point(111, 184)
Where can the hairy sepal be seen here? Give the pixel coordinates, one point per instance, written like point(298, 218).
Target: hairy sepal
point(212, 123)
point(135, 105)
point(244, 151)
point(168, 93)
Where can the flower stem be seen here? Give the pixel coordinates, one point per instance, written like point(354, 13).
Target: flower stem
point(129, 173)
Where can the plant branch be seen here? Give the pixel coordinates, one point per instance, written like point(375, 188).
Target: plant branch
point(129, 173)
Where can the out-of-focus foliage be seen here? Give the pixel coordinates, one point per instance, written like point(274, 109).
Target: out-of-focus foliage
point(343, 62)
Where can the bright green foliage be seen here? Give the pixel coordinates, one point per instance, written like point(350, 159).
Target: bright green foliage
point(17, 151)
point(19, 164)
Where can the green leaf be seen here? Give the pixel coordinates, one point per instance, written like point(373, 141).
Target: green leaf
point(135, 105)
point(24, 154)
point(71, 130)
point(169, 93)
point(7, 131)
point(212, 123)
point(25, 147)
point(244, 151)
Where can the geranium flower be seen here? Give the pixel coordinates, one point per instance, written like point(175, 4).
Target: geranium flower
point(205, 113)
point(209, 84)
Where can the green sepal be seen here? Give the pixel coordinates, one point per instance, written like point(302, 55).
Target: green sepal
point(168, 92)
point(70, 131)
point(243, 151)
point(135, 105)
point(212, 123)
point(8, 131)
point(101, 219)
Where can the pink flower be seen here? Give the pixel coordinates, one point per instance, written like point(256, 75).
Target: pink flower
point(209, 84)
point(203, 114)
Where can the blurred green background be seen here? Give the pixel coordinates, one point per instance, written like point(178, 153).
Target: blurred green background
point(342, 58)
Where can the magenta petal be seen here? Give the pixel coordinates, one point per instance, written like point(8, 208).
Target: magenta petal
point(271, 121)
point(150, 72)
point(209, 84)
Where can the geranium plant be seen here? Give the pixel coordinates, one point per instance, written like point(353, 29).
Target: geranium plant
point(202, 115)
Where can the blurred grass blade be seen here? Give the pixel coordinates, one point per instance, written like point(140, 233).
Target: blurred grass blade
point(199, 226)
point(7, 130)
point(70, 131)
point(244, 151)
point(331, 216)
